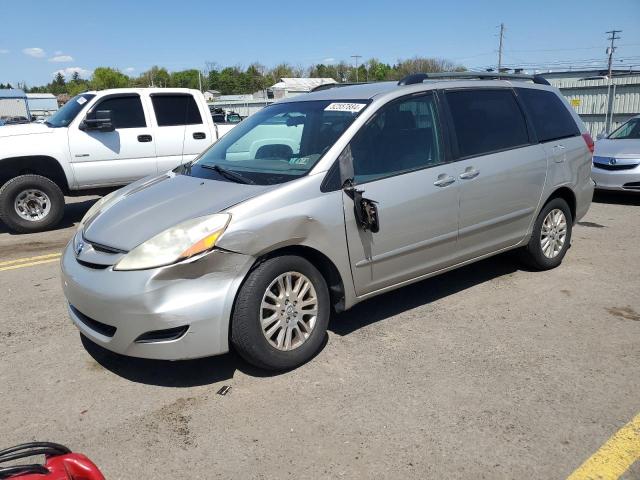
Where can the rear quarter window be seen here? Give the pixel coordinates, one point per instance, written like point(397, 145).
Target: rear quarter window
point(486, 121)
point(172, 110)
point(549, 114)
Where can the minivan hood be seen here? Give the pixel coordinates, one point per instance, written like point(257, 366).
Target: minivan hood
point(24, 129)
point(623, 148)
point(148, 207)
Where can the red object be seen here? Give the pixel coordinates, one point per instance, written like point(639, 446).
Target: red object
point(71, 466)
point(589, 141)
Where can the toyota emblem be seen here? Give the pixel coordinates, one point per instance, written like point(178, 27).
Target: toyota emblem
point(79, 247)
point(612, 161)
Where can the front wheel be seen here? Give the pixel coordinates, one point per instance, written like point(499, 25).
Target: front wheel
point(281, 314)
point(31, 203)
point(551, 236)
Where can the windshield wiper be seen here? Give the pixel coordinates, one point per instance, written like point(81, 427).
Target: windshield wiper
point(229, 174)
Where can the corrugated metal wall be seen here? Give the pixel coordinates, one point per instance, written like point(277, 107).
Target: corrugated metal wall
point(13, 107)
point(589, 98)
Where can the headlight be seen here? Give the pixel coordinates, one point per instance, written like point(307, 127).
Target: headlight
point(177, 243)
point(95, 209)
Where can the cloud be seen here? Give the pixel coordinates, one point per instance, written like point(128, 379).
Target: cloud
point(35, 52)
point(329, 61)
point(3, 50)
point(61, 58)
point(69, 71)
point(129, 69)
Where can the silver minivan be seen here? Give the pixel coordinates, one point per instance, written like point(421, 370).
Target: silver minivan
point(321, 201)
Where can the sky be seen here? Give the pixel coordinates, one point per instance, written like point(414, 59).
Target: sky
point(132, 36)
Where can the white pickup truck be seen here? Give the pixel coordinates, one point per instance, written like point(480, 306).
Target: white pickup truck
point(96, 140)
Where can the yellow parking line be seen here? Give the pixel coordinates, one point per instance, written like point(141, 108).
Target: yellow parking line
point(614, 457)
point(29, 259)
point(30, 264)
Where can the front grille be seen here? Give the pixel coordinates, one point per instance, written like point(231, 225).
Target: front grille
point(95, 266)
point(101, 328)
point(632, 185)
point(606, 166)
point(105, 249)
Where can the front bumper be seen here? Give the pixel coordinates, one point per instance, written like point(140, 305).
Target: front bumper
point(615, 179)
point(198, 295)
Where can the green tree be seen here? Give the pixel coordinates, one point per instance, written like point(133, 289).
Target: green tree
point(185, 79)
point(106, 77)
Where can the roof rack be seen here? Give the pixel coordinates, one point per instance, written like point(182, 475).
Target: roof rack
point(421, 77)
point(327, 86)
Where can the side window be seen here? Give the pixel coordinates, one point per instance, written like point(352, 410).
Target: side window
point(172, 110)
point(401, 137)
point(126, 112)
point(549, 114)
point(486, 121)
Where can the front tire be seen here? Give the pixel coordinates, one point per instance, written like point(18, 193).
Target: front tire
point(551, 236)
point(281, 314)
point(31, 203)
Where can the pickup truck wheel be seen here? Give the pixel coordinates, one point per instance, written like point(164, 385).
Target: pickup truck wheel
point(281, 313)
point(31, 203)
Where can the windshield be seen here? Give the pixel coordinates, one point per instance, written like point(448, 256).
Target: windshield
point(629, 130)
point(64, 116)
point(280, 142)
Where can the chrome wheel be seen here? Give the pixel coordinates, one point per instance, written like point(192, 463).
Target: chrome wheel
point(553, 234)
point(32, 205)
point(288, 311)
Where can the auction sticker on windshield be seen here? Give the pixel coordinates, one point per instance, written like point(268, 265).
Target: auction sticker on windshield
point(345, 107)
point(81, 100)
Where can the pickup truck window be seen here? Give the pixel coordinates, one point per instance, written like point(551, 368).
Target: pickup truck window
point(126, 112)
point(172, 110)
point(279, 143)
point(66, 114)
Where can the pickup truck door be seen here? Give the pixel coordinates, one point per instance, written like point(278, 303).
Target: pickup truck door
point(118, 157)
point(179, 128)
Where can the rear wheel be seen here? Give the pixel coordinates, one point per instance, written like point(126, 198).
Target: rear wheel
point(551, 236)
point(31, 203)
point(281, 314)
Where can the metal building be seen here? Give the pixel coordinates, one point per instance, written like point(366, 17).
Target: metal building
point(589, 92)
point(13, 105)
point(42, 105)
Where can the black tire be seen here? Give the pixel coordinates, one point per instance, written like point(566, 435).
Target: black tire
point(246, 332)
point(532, 255)
point(10, 191)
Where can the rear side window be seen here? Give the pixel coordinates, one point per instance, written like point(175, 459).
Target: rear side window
point(172, 110)
point(126, 112)
point(486, 121)
point(549, 115)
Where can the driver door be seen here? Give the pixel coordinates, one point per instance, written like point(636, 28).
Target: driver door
point(118, 157)
point(398, 162)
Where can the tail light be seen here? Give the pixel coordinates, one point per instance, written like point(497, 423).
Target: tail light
point(589, 141)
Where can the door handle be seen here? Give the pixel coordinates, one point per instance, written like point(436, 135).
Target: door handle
point(199, 135)
point(469, 173)
point(144, 138)
point(444, 180)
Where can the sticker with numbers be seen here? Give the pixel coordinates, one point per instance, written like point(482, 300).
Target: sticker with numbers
point(345, 107)
point(82, 100)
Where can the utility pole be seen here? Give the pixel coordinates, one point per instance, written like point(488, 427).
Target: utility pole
point(613, 36)
point(500, 47)
point(356, 57)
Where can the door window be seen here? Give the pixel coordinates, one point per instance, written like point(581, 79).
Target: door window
point(550, 116)
point(172, 110)
point(126, 112)
point(486, 121)
point(401, 137)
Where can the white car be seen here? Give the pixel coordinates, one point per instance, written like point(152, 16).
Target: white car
point(98, 139)
point(616, 161)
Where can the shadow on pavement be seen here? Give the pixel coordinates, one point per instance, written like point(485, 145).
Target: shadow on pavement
point(406, 298)
point(620, 198)
point(73, 213)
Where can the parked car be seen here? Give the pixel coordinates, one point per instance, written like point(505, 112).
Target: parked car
point(616, 162)
point(220, 116)
point(320, 201)
point(98, 139)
